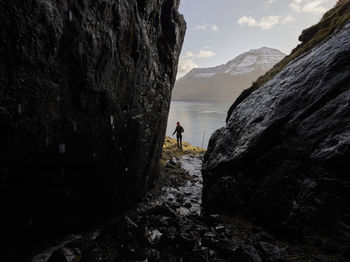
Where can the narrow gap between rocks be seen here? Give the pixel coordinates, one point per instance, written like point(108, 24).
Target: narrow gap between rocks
point(167, 225)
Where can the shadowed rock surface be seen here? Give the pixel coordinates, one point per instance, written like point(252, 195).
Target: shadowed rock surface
point(166, 226)
point(85, 90)
point(284, 153)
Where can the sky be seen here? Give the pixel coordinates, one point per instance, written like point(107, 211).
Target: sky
point(220, 30)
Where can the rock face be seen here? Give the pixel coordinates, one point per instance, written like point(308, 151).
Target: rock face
point(226, 82)
point(85, 90)
point(283, 156)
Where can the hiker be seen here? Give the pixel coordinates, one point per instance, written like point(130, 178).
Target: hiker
point(178, 130)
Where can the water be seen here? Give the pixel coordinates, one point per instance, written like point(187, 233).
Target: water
point(197, 118)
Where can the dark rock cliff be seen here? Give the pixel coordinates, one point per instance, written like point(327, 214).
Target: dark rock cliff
point(85, 89)
point(284, 154)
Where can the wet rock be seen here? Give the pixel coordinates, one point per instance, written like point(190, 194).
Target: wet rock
point(158, 221)
point(263, 236)
point(214, 218)
point(153, 255)
point(129, 224)
point(173, 162)
point(322, 258)
point(176, 205)
point(58, 256)
point(193, 258)
point(140, 254)
point(85, 92)
point(186, 242)
point(65, 255)
point(245, 254)
point(220, 228)
point(188, 205)
point(270, 252)
point(124, 233)
point(169, 239)
point(330, 247)
point(180, 198)
point(162, 210)
point(210, 240)
point(145, 234)
point(282, 156)
point(225, 249)
point(346, 253)
point(225, 188)
point(153, 235)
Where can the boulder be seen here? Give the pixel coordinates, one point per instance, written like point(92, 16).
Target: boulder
point(283, 156)
point(85, 89)
point(245, 254)
point(64, 254)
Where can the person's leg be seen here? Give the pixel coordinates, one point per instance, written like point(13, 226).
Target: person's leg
point(180, 142)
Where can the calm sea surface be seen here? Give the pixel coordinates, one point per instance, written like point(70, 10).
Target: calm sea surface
point(199, 120)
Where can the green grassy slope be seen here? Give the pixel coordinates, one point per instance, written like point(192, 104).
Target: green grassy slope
point(333, 19)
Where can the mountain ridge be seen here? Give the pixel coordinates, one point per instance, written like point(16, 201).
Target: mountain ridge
point(226, 81)
point(230, 62)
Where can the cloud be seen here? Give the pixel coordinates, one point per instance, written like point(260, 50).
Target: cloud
point(201, 54)
point(250, 21)
point(201, 27)
point(188, 55)
point(269, 22)
point(205, 54)
point(266, 22)
point(288, 19)
point(295, 7)
point(314, 7)
point(271, 1)
point(212, 27)
point(308, 6)
point(185, 66)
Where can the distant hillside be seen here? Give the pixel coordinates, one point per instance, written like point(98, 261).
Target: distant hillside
point(226, 82)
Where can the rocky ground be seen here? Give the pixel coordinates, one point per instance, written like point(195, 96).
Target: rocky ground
point(167, 226)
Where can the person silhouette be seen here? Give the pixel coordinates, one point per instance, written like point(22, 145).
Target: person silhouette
point(179, 130)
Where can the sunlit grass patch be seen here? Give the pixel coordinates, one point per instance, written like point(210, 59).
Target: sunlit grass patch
point(170, 150)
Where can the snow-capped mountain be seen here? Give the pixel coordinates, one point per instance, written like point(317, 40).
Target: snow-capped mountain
point(227, 81)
